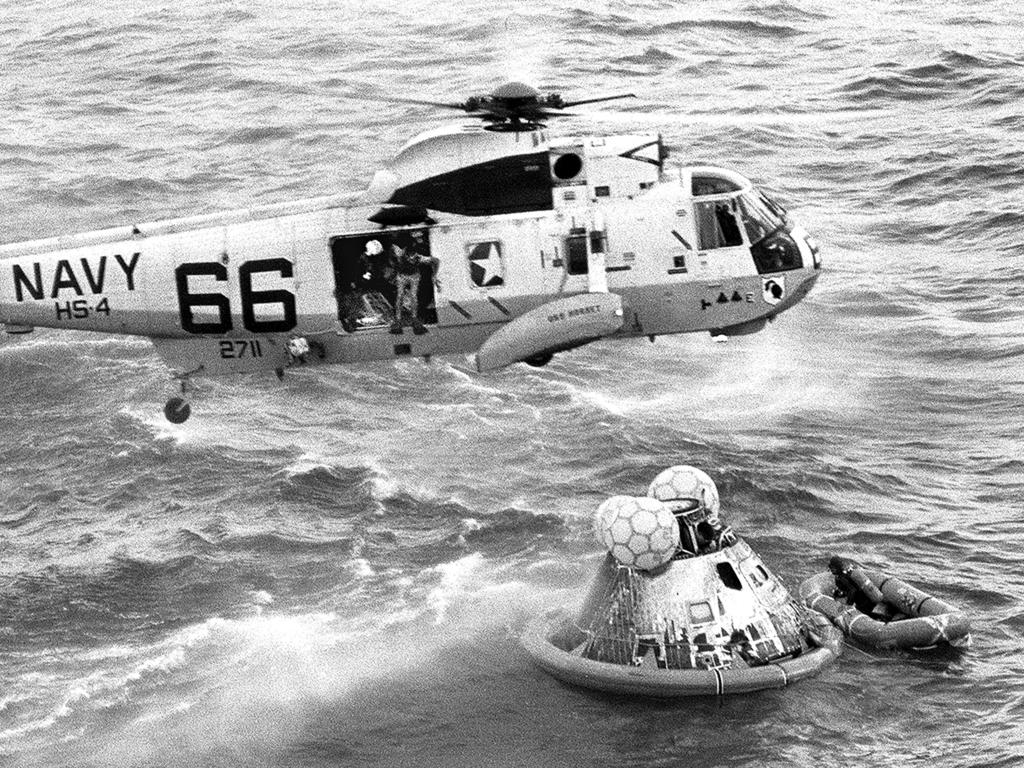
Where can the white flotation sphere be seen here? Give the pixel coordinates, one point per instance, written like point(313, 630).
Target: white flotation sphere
point(683, 482)
point(639, 532)
point(605, 513)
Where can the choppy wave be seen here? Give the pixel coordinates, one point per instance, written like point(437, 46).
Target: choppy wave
point(333, 570)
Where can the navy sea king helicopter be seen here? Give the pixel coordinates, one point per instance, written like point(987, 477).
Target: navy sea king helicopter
point(493, 238)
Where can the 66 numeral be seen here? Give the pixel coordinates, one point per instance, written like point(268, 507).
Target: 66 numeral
point(220, 305)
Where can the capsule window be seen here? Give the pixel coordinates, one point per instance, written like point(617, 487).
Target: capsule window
point(729, 576)
point(756, 578)
point(700, 613)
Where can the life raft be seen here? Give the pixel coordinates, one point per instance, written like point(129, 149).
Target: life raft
point(882, 611)
point(543, 634)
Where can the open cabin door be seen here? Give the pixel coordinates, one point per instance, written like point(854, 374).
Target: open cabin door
point(367, 270)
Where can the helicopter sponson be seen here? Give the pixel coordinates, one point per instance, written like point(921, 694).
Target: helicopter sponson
point(496, 240)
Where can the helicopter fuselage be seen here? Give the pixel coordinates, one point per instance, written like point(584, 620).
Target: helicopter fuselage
point(556, 243)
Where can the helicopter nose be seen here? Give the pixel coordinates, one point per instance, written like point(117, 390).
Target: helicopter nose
point(814, 267)
point(809, 250)
point(804, 287)
point(815, 249)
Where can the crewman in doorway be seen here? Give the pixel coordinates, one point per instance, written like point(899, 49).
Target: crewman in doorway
point(405, 262)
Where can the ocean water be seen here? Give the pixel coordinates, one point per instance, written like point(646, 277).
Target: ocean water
point(333, 570)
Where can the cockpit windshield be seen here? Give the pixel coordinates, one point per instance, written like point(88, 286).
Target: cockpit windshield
point(768, 228)
point(761, 215)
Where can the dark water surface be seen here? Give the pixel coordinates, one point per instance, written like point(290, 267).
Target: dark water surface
point(334, 570)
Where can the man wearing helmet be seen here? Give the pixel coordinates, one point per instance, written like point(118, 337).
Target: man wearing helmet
point(693, 498)
point(360, 304)
point(406, 259)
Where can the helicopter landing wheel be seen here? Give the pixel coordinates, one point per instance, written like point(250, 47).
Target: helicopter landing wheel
point(539, 361)
point(177, 410)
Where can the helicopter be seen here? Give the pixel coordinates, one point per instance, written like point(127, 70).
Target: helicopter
point(492, 238)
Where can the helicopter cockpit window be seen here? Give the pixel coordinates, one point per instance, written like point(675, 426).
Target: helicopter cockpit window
point(700, 186)
point(761, 216)
point(776, 253)
point(771, 244)
point(717, 226)
point(773, 206)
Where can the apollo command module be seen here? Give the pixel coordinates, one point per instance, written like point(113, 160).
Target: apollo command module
point(680, 606)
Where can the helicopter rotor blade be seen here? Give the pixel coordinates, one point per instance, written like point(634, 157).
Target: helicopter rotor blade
point(726, 120)
point(599, 98)
point(523, 107)
point(421, 102)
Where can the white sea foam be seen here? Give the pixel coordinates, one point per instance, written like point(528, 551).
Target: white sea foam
point(848, 404)
point(452, 582)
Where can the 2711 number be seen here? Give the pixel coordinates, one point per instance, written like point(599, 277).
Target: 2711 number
point(236, 349)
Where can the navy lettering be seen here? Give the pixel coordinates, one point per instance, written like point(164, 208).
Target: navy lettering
point(95, 281)
point(129, 268)
point(21, 280)
point(64, 277)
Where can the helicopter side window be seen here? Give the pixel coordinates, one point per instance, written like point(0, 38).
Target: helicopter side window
point(717, 226)
point(578, 262)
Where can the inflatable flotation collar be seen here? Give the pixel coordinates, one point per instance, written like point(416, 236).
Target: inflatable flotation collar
point(648, 679)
